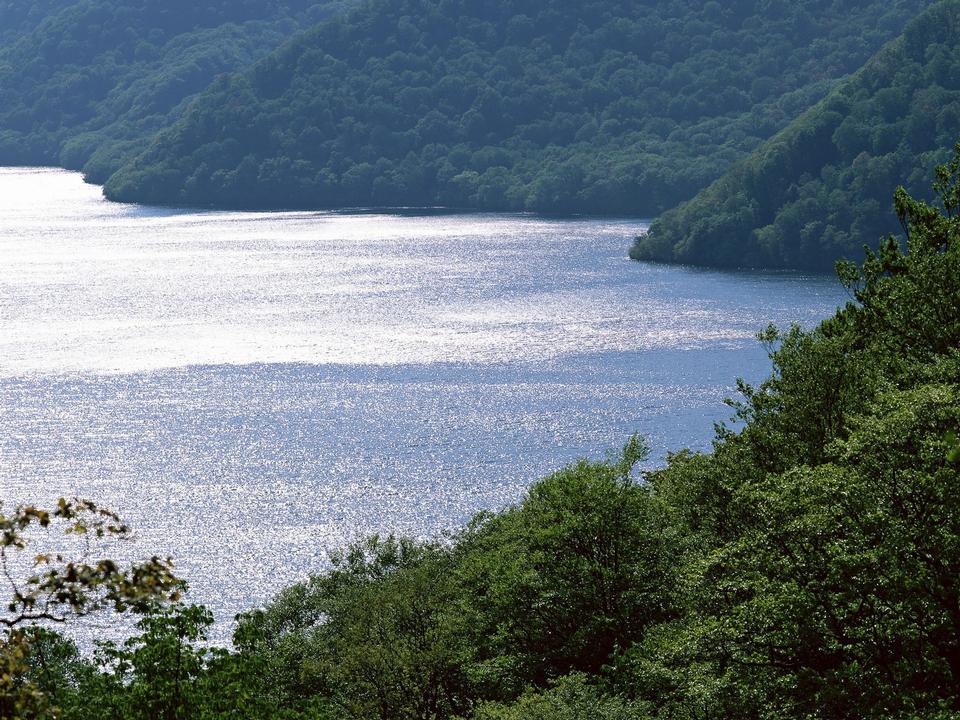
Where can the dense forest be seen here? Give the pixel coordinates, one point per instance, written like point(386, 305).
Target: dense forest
point(86, 83)
point(608, 107)
point(817, 191)
point(19, 18)
point(612, 106)
point(805, 568)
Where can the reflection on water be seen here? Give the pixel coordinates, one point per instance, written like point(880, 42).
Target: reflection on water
point(250, 389)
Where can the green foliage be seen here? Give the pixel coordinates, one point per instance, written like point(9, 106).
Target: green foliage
point(576, 573)
point(843, 580)
point(56, 587)
point(838, 573)
point(806, 568)
point(155, 674)
point(18, 18)
point(399, 629)
point(59, 587)
point(612, 106)
point(377, 635)
point(165, 672)
point(572, 698)
point(79, 76)
point(818, 190)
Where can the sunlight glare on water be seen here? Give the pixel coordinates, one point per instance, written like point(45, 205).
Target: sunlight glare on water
point(252, 389)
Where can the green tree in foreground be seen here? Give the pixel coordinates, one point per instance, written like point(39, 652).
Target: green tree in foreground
point(806, 568)
point(58, 587)
point(398, 629)
point(831, 589)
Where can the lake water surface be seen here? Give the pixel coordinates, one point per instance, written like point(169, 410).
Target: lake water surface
point(251, 390)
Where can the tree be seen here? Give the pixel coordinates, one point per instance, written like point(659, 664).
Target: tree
point(155, 675)
point(581, 569)
point(54, 587)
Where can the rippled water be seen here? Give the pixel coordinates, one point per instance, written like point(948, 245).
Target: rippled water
point(252, 389)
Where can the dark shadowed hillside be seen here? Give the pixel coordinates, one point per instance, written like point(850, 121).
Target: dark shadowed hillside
point(620, 106)
point(99, 77)
point(18, 17)
point(819, 190)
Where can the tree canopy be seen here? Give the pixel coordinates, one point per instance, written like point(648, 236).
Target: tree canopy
point(607, 106)
point(56, 586)
point(806, 568)
point(86, 83)
point(818, 190)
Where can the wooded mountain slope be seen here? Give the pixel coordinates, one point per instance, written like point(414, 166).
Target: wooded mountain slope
point(18, 17)
point(818, 190)
point(612, 106)
point(102, 76)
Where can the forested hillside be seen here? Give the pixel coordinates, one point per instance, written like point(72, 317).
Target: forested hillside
point(612, 106)
point(805, 569)
point(18, 17)
point(100, 77)
point(818, 191)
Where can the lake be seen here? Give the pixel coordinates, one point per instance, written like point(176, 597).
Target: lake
point(251, 390)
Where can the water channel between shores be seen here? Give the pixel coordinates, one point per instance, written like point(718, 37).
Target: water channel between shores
point(251, 390)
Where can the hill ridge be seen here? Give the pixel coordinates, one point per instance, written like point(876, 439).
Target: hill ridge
point(612, 107)
point(817, 191)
